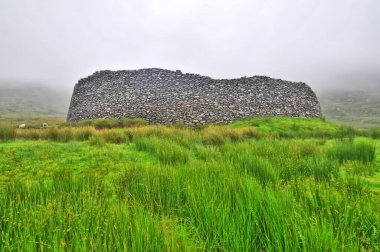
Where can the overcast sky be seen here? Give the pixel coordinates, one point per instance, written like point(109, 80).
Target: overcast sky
point(325, 43)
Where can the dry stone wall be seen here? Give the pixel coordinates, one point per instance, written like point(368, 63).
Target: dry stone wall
point(163, 96)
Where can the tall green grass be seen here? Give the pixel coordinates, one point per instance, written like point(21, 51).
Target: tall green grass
point(168, 152)
point(7, 132)
point(157, 188)
point(362, 151)
point(79, 215)
point(255, 128)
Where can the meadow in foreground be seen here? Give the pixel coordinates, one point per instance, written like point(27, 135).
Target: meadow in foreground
point(264, 184)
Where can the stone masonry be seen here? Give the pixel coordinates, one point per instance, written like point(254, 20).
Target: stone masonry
point(163, 96)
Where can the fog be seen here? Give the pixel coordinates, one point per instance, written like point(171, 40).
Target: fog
point(327, 44)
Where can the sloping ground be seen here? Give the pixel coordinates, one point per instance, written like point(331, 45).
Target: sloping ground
point(22, 100)
point(21, 103)
point(358, 108)
point(33, 121)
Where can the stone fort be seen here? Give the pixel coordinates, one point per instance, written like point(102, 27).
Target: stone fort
point(164, 96)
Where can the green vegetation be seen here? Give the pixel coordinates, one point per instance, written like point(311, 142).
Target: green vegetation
point(263, 184)
point(361, 151)
point(33, 122)
point(7, 132)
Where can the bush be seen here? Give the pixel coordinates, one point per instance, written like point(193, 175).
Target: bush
point(7, 132)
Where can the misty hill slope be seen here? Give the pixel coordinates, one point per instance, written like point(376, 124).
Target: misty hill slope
point(358, 108)
point(32, 101)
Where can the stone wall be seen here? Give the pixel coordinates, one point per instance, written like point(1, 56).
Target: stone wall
point(163, 96)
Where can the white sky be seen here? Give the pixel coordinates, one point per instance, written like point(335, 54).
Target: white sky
point(325, 43)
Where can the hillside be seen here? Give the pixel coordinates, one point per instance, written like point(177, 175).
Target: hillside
point(26, 100)
point(358, 108)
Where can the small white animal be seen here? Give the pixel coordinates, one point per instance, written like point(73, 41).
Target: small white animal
point(22, 126)
point(45, 125)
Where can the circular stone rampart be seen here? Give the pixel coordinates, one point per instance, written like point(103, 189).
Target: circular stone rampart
point(163, 96)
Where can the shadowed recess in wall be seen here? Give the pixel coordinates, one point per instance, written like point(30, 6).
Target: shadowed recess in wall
point(164, 96)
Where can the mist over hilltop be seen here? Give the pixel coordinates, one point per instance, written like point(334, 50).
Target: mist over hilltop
point(322, 43)
point(19, 99)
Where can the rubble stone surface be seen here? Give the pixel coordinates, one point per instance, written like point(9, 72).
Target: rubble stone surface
point(164, 96)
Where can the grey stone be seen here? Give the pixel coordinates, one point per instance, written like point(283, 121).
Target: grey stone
point(163, 96)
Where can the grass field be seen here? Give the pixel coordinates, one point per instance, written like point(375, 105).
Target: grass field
point(263, 184)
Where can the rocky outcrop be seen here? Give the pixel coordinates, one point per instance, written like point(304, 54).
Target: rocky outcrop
point(163, 96)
